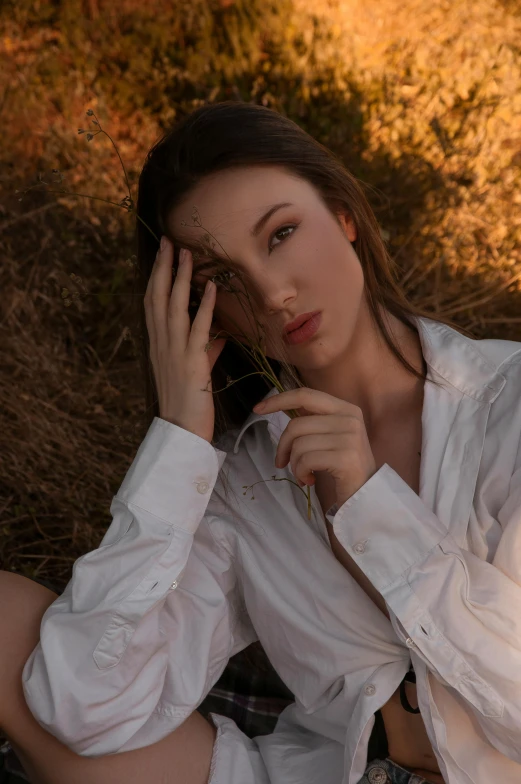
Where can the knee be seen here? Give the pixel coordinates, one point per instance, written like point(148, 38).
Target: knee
point(20, 595)
point(23, 603)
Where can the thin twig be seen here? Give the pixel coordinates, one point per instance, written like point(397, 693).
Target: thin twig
point(54, 557)
point(30, 214)
point(483, 300)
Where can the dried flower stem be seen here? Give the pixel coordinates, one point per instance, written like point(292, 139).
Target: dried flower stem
point(255, 350)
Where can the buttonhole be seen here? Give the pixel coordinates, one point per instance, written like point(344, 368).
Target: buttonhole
point(423, 630)
point(151, 589)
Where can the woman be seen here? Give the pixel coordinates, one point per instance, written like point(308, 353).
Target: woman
point(408, 566)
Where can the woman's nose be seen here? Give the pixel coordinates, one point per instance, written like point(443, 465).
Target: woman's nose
point(276, 296)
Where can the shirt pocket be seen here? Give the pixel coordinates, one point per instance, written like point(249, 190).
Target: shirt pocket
point(123, 621)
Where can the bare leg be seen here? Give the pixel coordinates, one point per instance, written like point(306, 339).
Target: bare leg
point(183, 757)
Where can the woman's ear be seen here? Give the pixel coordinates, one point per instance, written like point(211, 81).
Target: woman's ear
point(349, 226)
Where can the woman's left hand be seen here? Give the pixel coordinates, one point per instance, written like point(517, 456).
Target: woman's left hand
point(329, 435)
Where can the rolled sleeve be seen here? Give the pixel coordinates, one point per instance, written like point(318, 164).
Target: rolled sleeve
point(386, 528)
point(172, 456)
point(115, 666)
point(459, 613)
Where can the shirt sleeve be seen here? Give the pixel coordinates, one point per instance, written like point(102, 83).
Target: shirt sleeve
point(150, 618)
point(459, 613)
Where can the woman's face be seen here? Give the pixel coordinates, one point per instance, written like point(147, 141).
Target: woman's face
point(298, 261)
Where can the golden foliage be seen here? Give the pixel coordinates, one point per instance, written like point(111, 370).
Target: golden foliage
point(421, 99)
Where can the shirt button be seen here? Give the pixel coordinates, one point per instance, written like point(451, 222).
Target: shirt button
point(377, 776)
point(359, 548)
point(173, 586)
point(409, 642)
point(370, 689)
point(202, 487)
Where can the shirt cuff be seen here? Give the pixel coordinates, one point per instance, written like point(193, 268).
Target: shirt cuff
point(386, 528)
point(173, 475)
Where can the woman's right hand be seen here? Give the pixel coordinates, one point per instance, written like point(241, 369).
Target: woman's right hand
point(182, 368)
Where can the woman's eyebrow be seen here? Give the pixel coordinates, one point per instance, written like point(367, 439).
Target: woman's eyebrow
point(258, 227)
point(212, 257)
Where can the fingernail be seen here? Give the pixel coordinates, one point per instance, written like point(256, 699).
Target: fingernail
point(163, 242)
point(259, 406)
point(182, 256)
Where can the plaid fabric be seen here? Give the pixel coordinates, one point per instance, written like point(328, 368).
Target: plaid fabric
point(249, 691)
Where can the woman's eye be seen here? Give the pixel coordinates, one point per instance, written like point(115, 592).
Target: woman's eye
point(221, 280)
point(279, 231)
point(201, 274)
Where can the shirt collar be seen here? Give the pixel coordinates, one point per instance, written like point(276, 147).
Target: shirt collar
point(450, 357)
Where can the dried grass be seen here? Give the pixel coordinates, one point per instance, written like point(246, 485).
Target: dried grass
point(421, 99)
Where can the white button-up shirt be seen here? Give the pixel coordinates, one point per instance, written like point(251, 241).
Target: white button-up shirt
point(186, 577)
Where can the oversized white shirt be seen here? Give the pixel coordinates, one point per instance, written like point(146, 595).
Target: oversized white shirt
point(184, 578)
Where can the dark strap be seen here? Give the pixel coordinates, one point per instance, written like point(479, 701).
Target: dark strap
point(411, 678)
point(378, 747)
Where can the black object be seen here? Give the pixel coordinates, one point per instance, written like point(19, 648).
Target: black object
point(410, 677)
point(10, 769)
point(378, 744)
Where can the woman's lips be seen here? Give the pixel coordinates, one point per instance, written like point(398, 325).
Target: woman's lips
point(305, 332)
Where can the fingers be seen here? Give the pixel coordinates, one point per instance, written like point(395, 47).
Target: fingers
point(178, 316)
point(166, 306)
point(157, 296)
point(200, 334)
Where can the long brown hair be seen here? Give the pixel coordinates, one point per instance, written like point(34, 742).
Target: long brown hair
point(216, 137)
point(233, 133)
